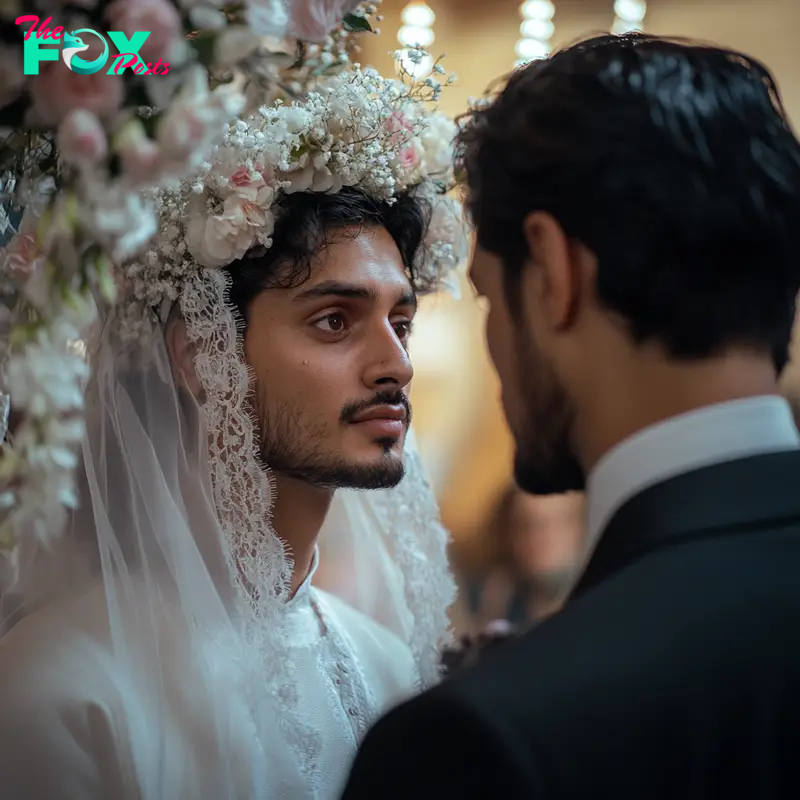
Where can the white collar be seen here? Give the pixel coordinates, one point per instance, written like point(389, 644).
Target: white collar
point(710, 435)
point(303, 593)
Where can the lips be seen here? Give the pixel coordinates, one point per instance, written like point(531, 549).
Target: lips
point(386, 412)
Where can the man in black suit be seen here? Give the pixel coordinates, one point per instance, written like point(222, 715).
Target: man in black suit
point(635, 200)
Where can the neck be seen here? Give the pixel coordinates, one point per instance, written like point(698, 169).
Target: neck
point(298, 514)
point(629, 399)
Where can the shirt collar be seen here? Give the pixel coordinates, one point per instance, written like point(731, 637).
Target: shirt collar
point(303, 593)
point(711, 435)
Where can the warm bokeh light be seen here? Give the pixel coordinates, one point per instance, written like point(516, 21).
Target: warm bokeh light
point(416, 31)
point(537, 29)
point(629, 15)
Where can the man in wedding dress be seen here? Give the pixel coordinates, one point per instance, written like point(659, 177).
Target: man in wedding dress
point(252, 379)
point(636, 202)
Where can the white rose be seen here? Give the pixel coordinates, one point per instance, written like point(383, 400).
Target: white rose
point(300, 180)
point(252, 188)
point(314, 179)
point(218, 239)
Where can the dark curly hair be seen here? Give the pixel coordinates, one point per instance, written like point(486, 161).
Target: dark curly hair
point(673, 162)
point(310, 221)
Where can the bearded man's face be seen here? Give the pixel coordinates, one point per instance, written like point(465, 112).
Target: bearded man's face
point(331, 366)
point(537, 406)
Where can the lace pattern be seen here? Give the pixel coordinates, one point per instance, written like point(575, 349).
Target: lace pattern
point(260, 569)
point(419, 542)
point(355, 694)
point(259, 566)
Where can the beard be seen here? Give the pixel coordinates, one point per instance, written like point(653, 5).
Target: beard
point(545, 462)
point(293, 446)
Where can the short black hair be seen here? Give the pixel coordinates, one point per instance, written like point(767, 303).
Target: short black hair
point(309, 221)
point(673, 162)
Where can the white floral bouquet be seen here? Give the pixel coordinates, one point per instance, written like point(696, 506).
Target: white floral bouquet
point(84, 159)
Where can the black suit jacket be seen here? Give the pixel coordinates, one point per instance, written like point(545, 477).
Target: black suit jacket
point(672, 672)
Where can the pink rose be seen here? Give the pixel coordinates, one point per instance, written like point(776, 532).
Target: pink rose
point(241, 177)
point(24, 257)
point(313, 20)
point(409, 157)
point(56, 91)
point(81, 138)
point(397, 122)
point(157, 16)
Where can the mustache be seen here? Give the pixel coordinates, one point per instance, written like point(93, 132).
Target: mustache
point(393, 398)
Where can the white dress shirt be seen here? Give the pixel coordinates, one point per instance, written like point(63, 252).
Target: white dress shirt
point(710, 435)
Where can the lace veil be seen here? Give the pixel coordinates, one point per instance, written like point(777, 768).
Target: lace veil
point(173, 551)
point(173, 543)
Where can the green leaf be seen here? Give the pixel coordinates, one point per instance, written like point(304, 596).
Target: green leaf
point(355, 23)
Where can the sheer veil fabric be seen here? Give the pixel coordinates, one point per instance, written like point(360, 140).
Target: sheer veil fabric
point(172, 564)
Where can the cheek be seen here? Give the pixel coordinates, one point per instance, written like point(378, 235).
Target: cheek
point(501, 344)
point(498, 341)
point(291, 374)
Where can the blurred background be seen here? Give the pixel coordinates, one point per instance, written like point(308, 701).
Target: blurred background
point(513, 554)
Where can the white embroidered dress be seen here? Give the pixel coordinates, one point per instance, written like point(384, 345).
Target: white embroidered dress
point(63, 695)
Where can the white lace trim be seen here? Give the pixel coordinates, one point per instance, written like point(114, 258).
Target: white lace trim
point(260, 568)
point(259, 565)
point(419, 542)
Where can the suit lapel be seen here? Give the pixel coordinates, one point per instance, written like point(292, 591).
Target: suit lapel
point(733, 497)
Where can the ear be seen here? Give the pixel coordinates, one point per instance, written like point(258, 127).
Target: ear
point(558, 276)
point(182, 352)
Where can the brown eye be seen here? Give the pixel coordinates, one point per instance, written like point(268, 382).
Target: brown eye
point(332, 323)
point(403, 330)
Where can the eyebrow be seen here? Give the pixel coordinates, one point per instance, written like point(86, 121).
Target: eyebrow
point(351, 291)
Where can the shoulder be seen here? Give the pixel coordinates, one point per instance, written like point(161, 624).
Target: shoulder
point(57, 648)
point(603, 653)
point(58, 689)
point(386, 659)
point(441, 744)
point(490, 726)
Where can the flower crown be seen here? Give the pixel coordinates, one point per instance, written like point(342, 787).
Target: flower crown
point(356, 129)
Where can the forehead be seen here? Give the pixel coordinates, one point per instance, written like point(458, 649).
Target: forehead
point(364, 255)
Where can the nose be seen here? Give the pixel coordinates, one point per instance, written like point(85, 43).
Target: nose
point(388, 364)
